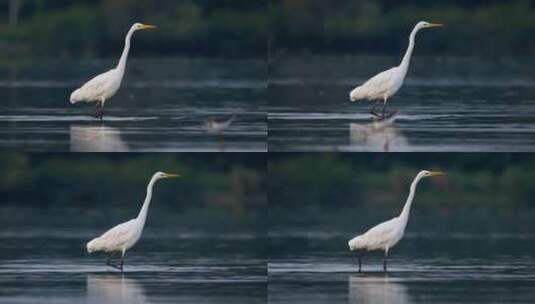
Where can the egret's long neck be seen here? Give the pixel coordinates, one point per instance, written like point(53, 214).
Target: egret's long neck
point(407, 208)
point(142, 216)
point(124, 57)
point(408, 54)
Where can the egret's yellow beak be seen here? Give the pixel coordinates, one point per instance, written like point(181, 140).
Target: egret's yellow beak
point(435, 24)
point(171, 175)
point(148, 26)
point(437, 173)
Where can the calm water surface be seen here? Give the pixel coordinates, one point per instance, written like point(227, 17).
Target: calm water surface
point(467, 269)
point(180, 258)
point(43, 268)
point(443, 106)
point(162, 106)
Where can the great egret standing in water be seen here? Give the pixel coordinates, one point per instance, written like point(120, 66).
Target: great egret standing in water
point(385, 84)
point(104, 86)
point(124, 236)
point(387, 234)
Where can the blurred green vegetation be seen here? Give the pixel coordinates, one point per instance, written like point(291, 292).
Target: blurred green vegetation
point(472, 28)
point(492, 193)
point(331, 181)
point(240, 28)
point(232, 183)
point(89, 28)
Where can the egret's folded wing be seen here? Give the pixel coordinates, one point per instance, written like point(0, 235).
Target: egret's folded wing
point(378, 235)
point(381, 83)
point(96, 87)
point(118, 234)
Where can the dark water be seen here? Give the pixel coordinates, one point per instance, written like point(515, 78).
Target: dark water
point(51, 267)
point(465, 269)
point(206, 257)
point(447, 105)
point(161, 106)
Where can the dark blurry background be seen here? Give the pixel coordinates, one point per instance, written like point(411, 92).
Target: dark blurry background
point(472, 28)
point(89, 28)
point(483, 193)
point(217, 192)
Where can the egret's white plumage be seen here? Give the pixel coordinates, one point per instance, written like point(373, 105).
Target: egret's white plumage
point(104, 86)
point(387, 234)
point(123, 236)
point(385, 84)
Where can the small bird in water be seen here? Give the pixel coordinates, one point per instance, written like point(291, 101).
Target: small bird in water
point(124, 236)
point(214, 126)
point(387, 234)
point(104, 86)
point(218, 127)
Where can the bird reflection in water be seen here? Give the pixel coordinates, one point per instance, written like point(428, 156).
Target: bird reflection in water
point(96, 139)
point(217, 127)
point(376, 289)
point(381, 135)
point(114, 289)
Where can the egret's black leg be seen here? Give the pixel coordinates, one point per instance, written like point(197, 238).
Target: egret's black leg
point(384, 110)
point(360, 263)
point(122, 261)
point(110, 258)
point(97, 110)
point(122, 264)
point(101, 112)
point(385, 261)
point(373, 109)
point(109, 261)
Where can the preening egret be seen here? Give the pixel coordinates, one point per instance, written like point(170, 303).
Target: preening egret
point(385, 84)
point(104, 86)
point(124, 236)
point(387, 234)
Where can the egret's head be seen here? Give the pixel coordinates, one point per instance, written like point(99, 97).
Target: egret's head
point(426, 173)
point(425, 24)
point(160, 175)
point(140, 26)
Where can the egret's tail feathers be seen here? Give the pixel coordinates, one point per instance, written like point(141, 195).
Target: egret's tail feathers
point(82, 95)
point(357, 94)
point(77, 96)
point(94, 245)
point(351, 245)
point(355, 243)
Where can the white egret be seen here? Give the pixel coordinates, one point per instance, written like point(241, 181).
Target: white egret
point(387, 234)
point(385, 84)
point(124, 236)
point(104, 86)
